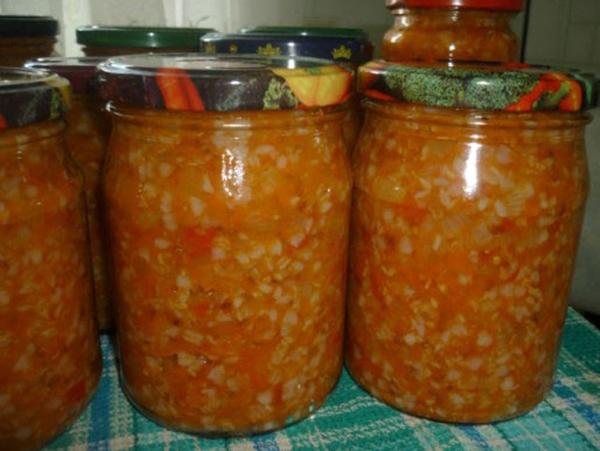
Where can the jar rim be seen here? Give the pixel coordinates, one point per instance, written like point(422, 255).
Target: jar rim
point(31, 95)
point(81, 71)
point(497, 5)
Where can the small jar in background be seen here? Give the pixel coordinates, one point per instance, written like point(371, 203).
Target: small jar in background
point(50, 357)
point(452, 30)
point(349, 46)
point(25, 37)
point(86, 135)
point(228, 192)
point(470, 186)
point(99, 40)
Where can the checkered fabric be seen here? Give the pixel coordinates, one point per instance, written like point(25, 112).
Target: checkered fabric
point(569, 418)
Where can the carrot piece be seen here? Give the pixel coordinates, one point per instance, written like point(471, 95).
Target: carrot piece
point(3, 123)
point(173, 93)
point(192, 94)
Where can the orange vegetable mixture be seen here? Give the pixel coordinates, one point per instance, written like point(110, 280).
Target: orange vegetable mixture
point(87, 137)
point(49, 351)
point(465, 228)
point(229, 233)
point(450, 35)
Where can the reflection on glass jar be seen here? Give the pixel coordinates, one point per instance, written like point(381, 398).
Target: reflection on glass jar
point(229, 233)
point(50, 356)
point(465, 229)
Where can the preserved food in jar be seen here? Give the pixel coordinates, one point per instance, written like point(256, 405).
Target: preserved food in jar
point(86, 135)
point(465, 228)
point(109, 41)
point(50, 357)
point(26, 37)
point(450, 30)
point(343, 45)
point(228, 205)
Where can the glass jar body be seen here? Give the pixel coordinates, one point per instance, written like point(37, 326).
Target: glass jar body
point(86, 136)
point(465, 228)
point(450, 35)
point(229, 234)
point(51, 359)
point(14, 52)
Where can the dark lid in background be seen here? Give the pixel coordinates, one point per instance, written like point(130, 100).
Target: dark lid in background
point(191, 82)
point(28, 26)
point(349, 50)
point(28, 96)
point(513, 87)
point(320, 32)
point(81, 72)
point(140, 37)
point(503, 5)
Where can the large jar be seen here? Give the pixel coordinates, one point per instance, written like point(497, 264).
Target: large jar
point(228, 194)
point(26, 37)
point(50, 359)
point(98, 40)
point(470, 191)
point(344, 45)
point(452, 30)
point(86, 135)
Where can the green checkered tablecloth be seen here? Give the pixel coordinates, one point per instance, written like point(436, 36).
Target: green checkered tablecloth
point(569, 419)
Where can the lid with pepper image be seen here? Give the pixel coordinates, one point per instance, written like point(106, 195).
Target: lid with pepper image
point(28, 96)
point(190, 82)
point(81, 71)
point(511, 87)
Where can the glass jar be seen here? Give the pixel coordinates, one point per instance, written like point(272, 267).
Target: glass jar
point(26, 37)
point(50, 355)
point(452, 30)
point(228, 213)
point(107, 41)
point(86, 136)
point(466, 219)
point(344, 45)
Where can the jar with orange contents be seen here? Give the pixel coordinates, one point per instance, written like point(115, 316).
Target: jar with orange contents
point(50, 357)
point(87, 133)
point(470, 191)
point(228, 194)
point(452, 30)
point(26, 37)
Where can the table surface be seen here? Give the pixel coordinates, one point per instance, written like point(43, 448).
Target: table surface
point(569, 418)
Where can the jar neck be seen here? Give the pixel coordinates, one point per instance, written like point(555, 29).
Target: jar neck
point(437, 17)
point(478, 124)
point(21, 136)
point(227, 120)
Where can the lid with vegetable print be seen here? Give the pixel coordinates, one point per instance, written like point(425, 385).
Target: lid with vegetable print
point(141, 37)
point(28, 96)
point(513, 87)
point(189, 82)
point(80, 71)
point(498, 5)
point(28, 26)
point(341, 49)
